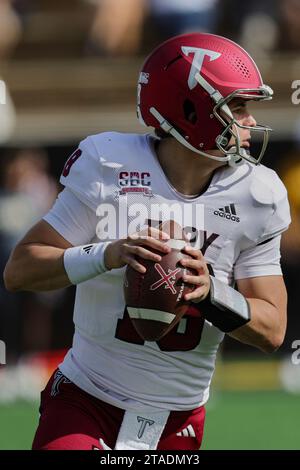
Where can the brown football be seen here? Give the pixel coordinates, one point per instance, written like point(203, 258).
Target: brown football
point(155, 300)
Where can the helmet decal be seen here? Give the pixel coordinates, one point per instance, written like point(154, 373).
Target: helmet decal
point(197, 63)
point(144, 78)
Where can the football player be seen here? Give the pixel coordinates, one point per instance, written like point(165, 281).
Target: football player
point(113, 389)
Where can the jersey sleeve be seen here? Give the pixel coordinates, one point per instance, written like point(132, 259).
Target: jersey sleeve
point(82, 174)
point(72, 219)
point(260, 260)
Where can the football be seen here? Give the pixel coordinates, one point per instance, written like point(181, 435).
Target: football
point(155, 300)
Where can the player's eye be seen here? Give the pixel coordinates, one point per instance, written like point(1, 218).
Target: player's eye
point(239, 110)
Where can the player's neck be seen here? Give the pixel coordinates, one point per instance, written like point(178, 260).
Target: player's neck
point(188, 172)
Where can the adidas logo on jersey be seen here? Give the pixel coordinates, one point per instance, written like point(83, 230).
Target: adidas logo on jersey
point(228, 212)
point(187, 432)
point(87, 249)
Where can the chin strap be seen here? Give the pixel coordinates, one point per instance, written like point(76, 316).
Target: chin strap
point(237, 159)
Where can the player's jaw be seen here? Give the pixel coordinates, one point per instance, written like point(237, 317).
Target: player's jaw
point(243, 117)
point(244, 137)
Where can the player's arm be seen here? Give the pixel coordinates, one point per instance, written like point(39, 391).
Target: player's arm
point(58, 251)
point(256, 313)
point(45, 261)
point(267, 299)
point(36, 264)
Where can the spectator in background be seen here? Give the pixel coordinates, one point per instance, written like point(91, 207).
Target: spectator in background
point(291, 239)
point(176, 16)
point(117, 27)
point(10, 33)
point(254, 24)
point(289, 26)
point(268, 26)
point(291, 245)
point(10, 28)
point(27, 192)
point(7, 114)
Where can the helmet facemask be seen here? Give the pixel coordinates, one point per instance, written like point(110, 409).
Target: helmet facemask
point(223, 113)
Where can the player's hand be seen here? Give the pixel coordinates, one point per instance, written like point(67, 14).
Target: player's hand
point(140, 244)
point(201, 280)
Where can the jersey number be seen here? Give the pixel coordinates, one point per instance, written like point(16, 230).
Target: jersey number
point(174, 340)
point(70, 162)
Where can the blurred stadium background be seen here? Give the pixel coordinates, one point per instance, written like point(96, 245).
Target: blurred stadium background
point(70, 69)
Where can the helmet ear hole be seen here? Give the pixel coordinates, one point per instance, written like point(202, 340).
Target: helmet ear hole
point(190, 111)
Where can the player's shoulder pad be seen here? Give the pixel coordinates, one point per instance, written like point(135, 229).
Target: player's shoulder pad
point(108, 143)
point(268, 190)
point(266, 187)
point(83, 171)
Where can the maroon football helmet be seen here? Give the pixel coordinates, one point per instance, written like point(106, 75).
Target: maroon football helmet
point(196, 75)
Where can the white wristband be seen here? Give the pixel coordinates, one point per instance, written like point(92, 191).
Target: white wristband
point(85, 262)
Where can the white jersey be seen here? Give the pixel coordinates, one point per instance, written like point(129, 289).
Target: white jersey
point(236, 223)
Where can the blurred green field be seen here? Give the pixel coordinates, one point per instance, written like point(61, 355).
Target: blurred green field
point(252, 420)
point(235, 420)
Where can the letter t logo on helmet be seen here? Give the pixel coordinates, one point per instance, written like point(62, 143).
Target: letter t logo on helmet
point(198, 75)
point(199, 55)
